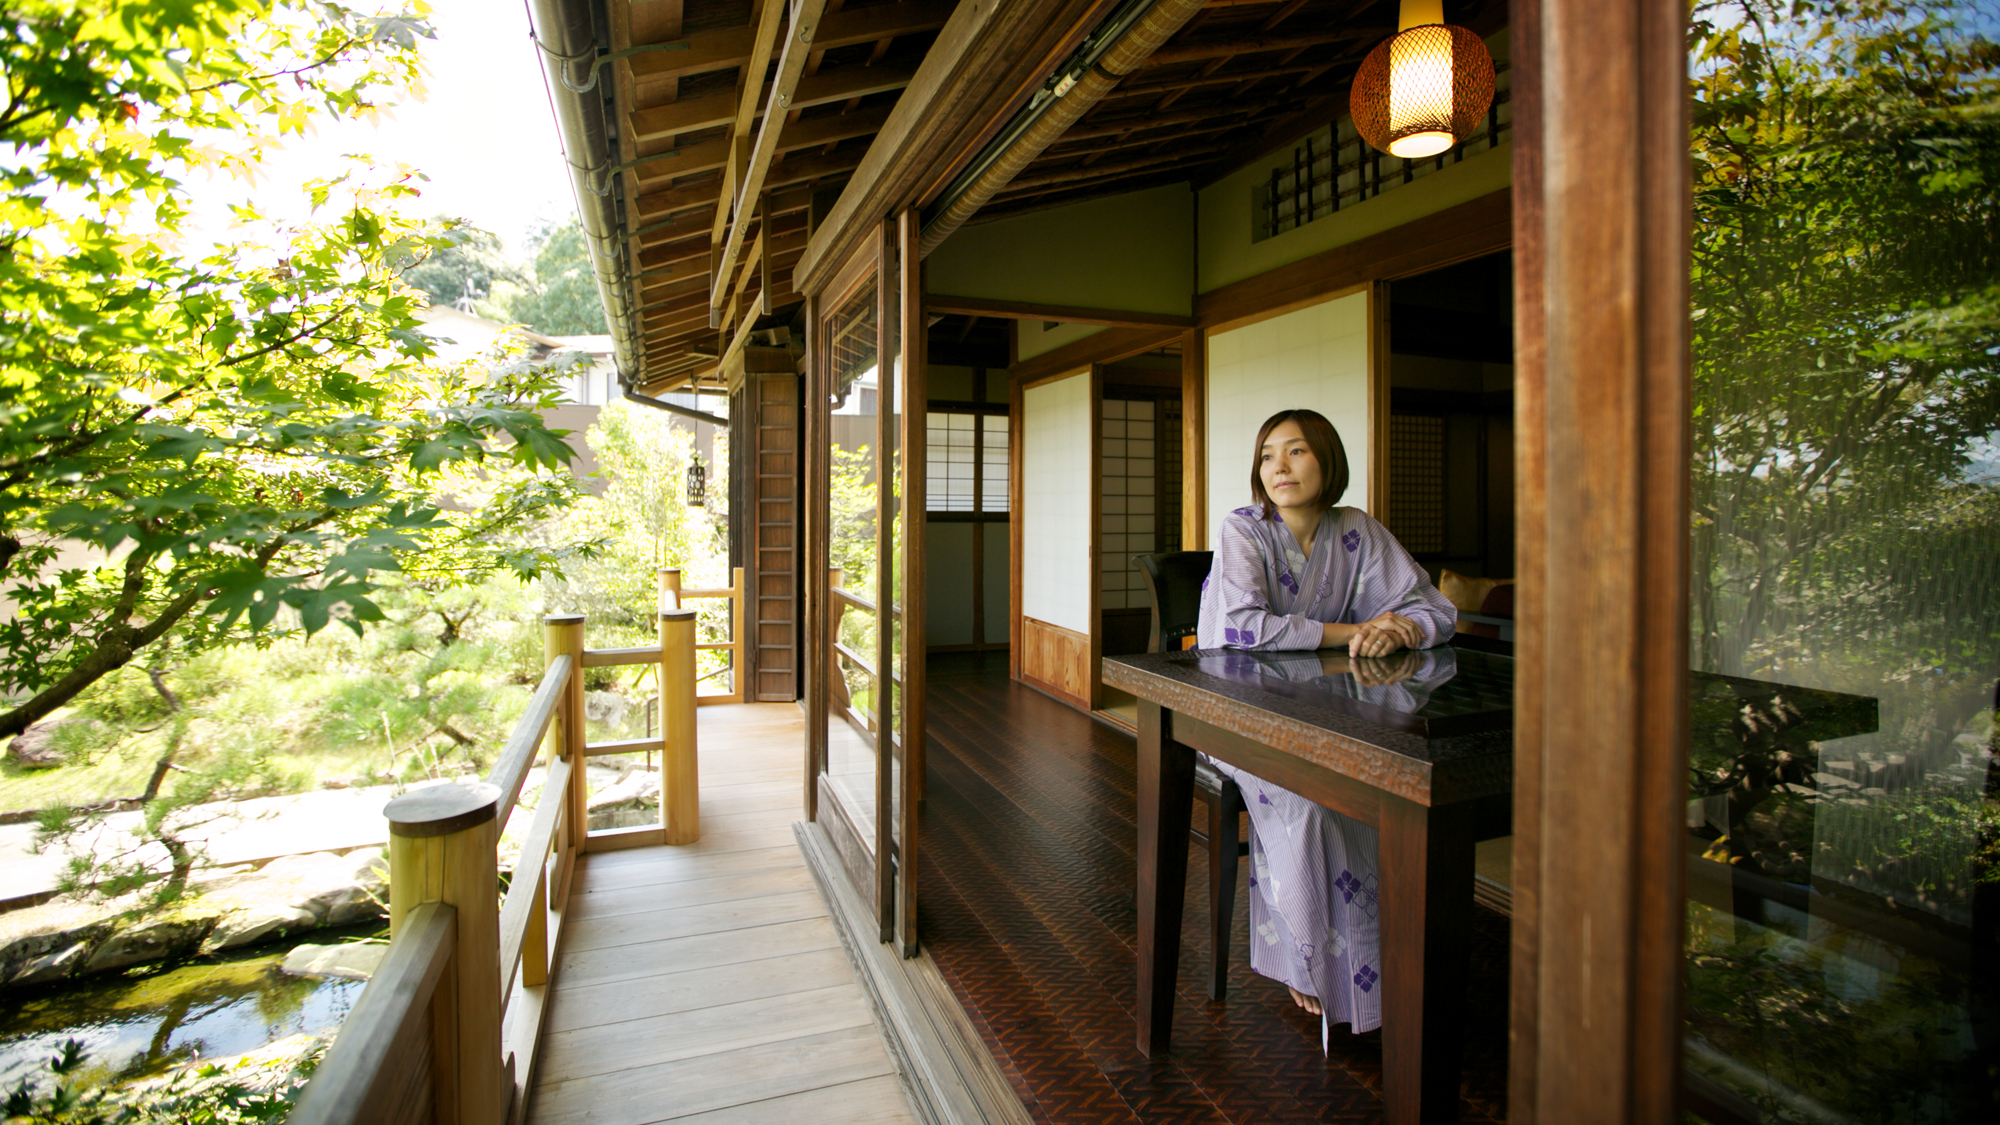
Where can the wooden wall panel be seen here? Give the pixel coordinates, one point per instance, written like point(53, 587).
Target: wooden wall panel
point(1055, 659)
point(773, 571)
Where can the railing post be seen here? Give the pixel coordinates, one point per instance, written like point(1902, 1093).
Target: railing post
point(738, 646)
point(670, 588)
point(562, 633)
point(836, 608)
point(680, 777)
point(442, 843)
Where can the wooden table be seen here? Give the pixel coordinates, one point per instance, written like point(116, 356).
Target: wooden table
point(1431, 795)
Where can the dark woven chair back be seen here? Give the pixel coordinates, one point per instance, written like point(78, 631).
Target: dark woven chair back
point(1174, 580)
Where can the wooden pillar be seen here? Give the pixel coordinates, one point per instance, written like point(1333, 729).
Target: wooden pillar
point(739, 648)
point(442, 843)
point(1602, 417)
point(670, 588)
point(562, 634)
point(680, 777)
point(1194, 440)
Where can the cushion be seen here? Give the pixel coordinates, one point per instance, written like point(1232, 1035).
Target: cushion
point(1468, 594)
point(1500, 602)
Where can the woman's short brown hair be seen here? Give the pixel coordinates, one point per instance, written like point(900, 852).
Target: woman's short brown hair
point(1324, 442)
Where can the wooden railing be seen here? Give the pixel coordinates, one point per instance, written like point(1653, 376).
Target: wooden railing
point(672, 594)
point(447, 1030)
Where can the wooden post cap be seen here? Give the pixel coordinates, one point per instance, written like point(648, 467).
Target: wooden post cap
point(563, 619)
point(440, 810)
point(677, 615)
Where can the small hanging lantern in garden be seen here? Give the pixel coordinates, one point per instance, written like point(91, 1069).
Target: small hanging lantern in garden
point(1426, 88)
point(697, 483)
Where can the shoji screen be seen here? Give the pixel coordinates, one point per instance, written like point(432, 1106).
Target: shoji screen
point(1315, 357)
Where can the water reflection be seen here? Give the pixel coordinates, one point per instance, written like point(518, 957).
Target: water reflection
point(144, 1023)
point(1846, 537)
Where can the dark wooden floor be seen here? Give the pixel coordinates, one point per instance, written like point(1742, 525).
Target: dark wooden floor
point(1027, 907)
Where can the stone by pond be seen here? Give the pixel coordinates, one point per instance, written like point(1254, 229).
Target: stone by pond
point(76, 937)
point(145, 1020)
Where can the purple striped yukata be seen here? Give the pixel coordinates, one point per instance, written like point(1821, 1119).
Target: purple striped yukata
point(1314, 885)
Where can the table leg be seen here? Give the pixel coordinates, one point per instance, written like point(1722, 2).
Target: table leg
point(1426, 865)
point(1166, 792)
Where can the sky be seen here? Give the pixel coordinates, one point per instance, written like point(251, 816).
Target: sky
point(484, 134)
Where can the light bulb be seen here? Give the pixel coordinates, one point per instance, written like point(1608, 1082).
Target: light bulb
point(1420, 92)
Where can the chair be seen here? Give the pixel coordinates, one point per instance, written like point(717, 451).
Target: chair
point(1174, 580)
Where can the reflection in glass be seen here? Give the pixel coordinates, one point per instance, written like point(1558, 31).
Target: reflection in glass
point(1846, 538)
point(853, 434)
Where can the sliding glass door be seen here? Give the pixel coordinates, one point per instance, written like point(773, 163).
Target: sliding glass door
point(867, 696)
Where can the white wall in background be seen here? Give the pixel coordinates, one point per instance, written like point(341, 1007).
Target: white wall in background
point(1315, 357)
point(1055, 516)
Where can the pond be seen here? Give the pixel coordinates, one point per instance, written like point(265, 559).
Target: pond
point(151, 1018)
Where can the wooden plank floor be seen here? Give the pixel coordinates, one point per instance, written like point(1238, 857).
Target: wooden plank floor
point(1026, 883)
point(704, 983)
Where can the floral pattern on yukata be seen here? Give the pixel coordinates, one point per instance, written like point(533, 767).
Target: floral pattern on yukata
point(1315, 891)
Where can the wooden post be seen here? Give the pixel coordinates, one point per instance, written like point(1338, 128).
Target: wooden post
point(738, 648)
point(680, 777)
point(670, 588)
point(441, 849)
point(563, 633)
point(835, 682)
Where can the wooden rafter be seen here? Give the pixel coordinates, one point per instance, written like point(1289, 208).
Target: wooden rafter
point(799, 34)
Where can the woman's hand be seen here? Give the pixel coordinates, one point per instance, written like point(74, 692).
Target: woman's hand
point(1383, 635)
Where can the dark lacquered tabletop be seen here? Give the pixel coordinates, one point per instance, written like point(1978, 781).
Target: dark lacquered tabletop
point(1428, 725)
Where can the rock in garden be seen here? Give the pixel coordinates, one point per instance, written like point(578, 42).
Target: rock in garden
point(607, 707)
point(343, 962)
point(154, 940)
point(261, 922)
point(55, 966)
point(35, 748)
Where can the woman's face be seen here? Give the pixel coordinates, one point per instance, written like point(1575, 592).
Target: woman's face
point(1291, 474)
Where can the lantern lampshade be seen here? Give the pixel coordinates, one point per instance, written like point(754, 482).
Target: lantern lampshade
point(697, 483)
point(1422, 91)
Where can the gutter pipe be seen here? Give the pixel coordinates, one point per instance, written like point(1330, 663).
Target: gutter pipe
point(566, 31)
point(1111, 53)
point(673, 407)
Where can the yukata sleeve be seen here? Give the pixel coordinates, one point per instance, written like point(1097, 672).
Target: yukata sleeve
point(1390, 581)
point(1236, 599)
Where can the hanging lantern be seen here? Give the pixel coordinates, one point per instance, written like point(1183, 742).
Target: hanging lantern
point(1425, 89)
point(697, 483)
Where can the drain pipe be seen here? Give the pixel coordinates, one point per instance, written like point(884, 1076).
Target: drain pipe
point(672, 407)
point(1115, 50)
point(566, 34)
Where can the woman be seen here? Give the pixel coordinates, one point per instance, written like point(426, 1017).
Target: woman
point(1293, 571)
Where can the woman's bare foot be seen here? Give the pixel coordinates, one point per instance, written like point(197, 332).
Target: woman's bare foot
point(1309, 1003)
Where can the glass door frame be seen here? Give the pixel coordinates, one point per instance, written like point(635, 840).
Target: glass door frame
point(880, 865)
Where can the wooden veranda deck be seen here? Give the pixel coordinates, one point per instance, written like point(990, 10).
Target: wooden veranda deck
point(704, 983)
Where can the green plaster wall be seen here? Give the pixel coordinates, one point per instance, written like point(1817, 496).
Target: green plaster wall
point(1227, 254)
point(1131, 252)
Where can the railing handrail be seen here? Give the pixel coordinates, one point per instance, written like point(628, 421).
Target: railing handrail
point(347, 1087)
point(517, 757)
point(475, 1058)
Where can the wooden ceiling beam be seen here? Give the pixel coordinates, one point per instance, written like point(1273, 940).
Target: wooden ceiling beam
point(805, 134)
point(726, 47)
point(710, 110)
point(1257, 44)
point(805, 27)
point(1112, 171)
point(1100, 146)
point(696, 246)
point(668, 201)
point(1151, 88)
point(1140, 124)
